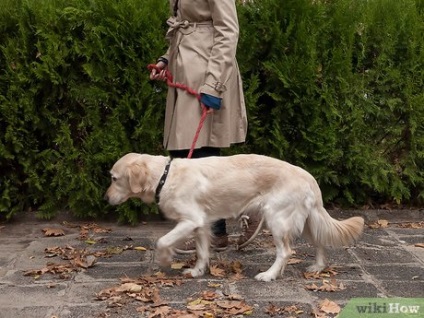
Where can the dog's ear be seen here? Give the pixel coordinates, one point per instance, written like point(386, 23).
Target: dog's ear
point(136, 177)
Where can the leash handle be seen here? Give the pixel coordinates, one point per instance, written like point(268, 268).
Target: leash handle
point(170, 82)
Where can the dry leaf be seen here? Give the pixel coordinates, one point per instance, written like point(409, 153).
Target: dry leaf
point(383, 223)
point(419, 245)
point(216, 271)
point(293, 261)
point(209, 295)
point(235, 297)
point(379, 224)
point(140, 248)
point(227, 304)
point(412, 225)
point(327, 286)
point(178, 265)
point(329, 307)
point(236, 267)
point(53, 231)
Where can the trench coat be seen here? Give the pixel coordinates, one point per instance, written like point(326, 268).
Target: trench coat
point(203, 37)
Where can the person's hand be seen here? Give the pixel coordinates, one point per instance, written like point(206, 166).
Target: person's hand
point(159, 74)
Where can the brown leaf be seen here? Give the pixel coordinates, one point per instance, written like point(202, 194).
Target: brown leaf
point(209, 295)
point(129, 287)
point(214, 285)
point(235, 297)
point(329, 307)
point(272, 310)
point(327, 286)
point(237, 276)
point(412, 225)
point(178, 265)
point(379, 224)
point(49, 231)
point(236, 267)
point(293, 261)
point(216, 271)
point(311, 275)
point(313, 287)
point(419, 245)
point(383, 223)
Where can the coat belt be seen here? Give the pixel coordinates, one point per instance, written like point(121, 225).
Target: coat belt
point(185, 26)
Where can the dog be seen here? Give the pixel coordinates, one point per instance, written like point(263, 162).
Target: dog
point(197, 192)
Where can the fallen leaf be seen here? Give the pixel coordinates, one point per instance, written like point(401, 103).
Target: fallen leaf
point(329, 307)
point(196, 307)
point(412, 225)
point(383, 223)
point(236, 267)
point(235, 297)
point(53, 231)
point(214, 285)
point(379, 224)
point(178, 265)
point(293, 261)
point(327, 286)
point(226, 304)
point(209, 295)
point(419, 245)
point(129, 287)
point(140, 248)
point(216, 271)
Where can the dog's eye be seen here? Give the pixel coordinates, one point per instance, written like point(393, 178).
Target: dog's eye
point(114, 179)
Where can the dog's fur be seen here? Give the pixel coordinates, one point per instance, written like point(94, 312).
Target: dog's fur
point(198, 192)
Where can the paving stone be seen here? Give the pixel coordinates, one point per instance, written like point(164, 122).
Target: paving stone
point(384, 256)
point(27, 312)
point(397, 273)
point(410, 289)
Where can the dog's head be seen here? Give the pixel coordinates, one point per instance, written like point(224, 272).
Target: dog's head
point(129, 179)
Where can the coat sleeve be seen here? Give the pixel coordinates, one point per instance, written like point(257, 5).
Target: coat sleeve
point(223, 53)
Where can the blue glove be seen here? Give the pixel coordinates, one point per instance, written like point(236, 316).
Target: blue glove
point(210, 101)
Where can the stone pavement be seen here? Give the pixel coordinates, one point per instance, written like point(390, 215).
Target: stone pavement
point(386, 262)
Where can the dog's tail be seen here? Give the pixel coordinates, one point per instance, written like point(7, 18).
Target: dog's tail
point(322, 229)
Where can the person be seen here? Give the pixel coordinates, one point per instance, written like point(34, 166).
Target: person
point(203, 38)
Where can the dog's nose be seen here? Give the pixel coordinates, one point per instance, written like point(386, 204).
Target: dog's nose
point(106, 197)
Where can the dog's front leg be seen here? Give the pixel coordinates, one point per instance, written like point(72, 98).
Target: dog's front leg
point(202, 250)
point(164, 251)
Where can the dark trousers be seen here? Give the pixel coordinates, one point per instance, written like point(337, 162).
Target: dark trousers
point(219, 227)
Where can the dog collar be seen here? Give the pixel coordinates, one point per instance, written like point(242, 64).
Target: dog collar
point(162, 180)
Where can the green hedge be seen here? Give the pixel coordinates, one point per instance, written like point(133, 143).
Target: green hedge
point(333, 86)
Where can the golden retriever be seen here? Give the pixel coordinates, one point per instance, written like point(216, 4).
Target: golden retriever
point(198, 192)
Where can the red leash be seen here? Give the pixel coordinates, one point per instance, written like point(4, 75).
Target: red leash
point(169, 82)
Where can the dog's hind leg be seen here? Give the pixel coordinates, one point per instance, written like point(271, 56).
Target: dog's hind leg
point(283, 251)
point(202, 250)
point(320, 262)
point(282, 236)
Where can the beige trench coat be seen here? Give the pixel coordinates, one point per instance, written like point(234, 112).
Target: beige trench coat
point(202, 48)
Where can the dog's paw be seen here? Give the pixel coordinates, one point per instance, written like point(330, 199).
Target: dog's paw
point(193, 272)
point(315, 268)
point(164, 256)
point(265, 277)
